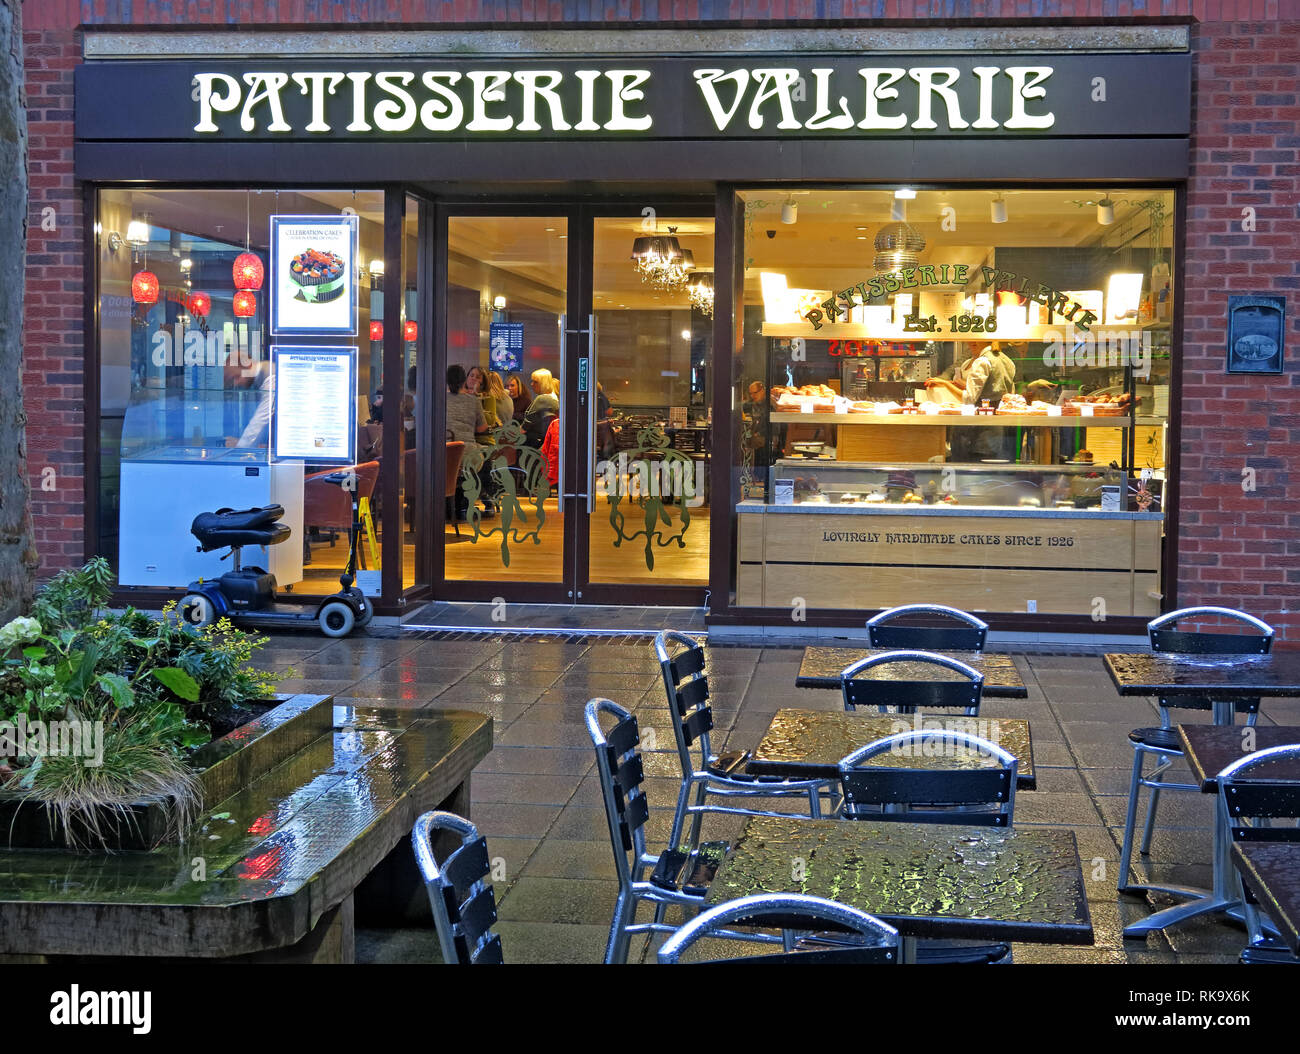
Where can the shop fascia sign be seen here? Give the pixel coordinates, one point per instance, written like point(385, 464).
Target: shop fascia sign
point(760, 99)
point(995, 280)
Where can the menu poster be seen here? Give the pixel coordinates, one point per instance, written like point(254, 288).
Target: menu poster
point(314, 415)
point(313, 275)
point(506, 346)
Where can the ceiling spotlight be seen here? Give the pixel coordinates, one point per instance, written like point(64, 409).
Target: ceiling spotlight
point(789, 212)
point(905, 193)
point(1105, 212)
point(998, 210)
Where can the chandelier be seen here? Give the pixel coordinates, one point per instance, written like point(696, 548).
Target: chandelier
point(700, 291)
point(898, 245)
point(661, 261)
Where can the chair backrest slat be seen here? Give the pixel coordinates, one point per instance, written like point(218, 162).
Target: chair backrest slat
point(692, 694)
point(685, 663)
point(467, 865)
point(700, 722)
point(477, 916)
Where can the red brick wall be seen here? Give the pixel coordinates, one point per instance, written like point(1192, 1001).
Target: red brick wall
point(53, 376)
point(1241, 547)
point(1236, 547)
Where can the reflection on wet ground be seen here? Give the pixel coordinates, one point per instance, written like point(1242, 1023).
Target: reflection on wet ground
point(536, 798)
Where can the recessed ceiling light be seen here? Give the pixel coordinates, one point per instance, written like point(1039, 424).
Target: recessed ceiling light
point(550, 230)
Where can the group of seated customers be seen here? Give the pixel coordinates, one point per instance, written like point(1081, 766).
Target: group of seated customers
point(480, 402)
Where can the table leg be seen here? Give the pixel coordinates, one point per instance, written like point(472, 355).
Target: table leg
point(1225, 897)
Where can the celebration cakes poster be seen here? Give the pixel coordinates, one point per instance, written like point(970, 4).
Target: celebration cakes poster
point(313, 267)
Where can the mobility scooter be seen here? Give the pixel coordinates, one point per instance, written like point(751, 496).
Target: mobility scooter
point(247, 594)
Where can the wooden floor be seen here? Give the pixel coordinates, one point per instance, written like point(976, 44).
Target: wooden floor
point(542, 561)
point(479, 559)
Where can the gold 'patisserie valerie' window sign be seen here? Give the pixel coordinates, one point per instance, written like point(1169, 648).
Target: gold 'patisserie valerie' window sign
point(842, 303)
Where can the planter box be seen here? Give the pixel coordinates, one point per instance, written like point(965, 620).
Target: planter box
point(223, 766)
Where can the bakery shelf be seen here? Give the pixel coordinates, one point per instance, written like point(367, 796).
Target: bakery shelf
point(953, 420)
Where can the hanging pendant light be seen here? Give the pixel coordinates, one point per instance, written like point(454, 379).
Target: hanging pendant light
point(376, 331)
point(898, 246)
point(410, 331)
point(249, 272)
point(700, 291)
point(144, 287)
point(199, 304)
point(245, 303)
point(661, 261)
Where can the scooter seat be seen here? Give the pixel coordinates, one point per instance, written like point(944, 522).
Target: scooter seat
point(228, 527)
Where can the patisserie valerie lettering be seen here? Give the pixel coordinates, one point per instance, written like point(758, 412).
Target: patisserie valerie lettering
point(547, 101)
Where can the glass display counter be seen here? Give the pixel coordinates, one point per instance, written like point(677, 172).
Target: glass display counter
point(180, 456)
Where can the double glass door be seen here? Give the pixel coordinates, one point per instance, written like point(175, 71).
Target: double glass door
point(579, 344)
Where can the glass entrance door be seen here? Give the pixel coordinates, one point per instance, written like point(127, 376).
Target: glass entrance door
point(505, 317)
point(577, 359)
point(649, 422)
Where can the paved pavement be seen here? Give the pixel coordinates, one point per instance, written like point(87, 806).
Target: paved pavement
point(537, 799)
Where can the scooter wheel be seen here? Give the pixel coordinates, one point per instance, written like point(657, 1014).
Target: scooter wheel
point(195, 610)
point(336, 619)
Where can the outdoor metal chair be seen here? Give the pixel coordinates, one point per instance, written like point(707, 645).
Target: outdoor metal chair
point(872, 941)
point(463, 904)
point(703, 772)
point(1252, 804)
point(968, 633)
point(1163, 742)
point(977, 789)
point(677, 876)
point(902, 692)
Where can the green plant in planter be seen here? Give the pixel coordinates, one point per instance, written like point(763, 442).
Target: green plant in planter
point(100, 711)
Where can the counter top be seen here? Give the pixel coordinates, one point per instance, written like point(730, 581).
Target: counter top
point(993, 511)
point(786, 417)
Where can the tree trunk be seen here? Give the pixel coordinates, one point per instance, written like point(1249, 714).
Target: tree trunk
point(17, 550)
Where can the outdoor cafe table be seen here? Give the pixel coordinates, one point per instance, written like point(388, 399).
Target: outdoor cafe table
point(1272, 871)
point(808, 744)
point(927, 880)
point(1210, 749)
point(1223, 679)
point(821, 668)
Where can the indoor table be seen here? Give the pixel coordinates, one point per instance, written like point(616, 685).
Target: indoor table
point(808, 744)
point(822, 666)
point(945, 881)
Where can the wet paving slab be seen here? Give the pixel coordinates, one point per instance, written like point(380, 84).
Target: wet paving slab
point(537, 691)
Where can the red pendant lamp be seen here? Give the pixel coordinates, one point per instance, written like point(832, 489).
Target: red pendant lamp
point(245, 303)
point(144, 287)
point(376, 331)
point(249, 272)
point(410, 331)
point(199, 304)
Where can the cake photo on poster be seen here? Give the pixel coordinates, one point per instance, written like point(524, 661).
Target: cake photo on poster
point(313, 275)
